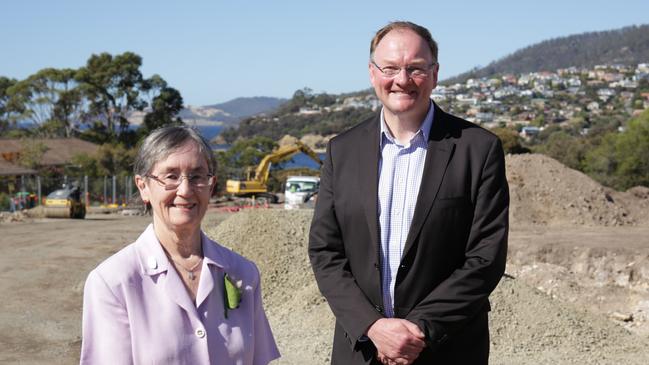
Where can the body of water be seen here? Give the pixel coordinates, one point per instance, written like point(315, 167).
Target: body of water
point(302, 160)
point(210, 131)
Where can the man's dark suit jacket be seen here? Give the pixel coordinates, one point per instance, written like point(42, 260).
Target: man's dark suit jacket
point(454, 254)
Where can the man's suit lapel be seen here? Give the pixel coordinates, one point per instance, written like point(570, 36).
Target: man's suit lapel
point(368, 177)
point(438, 155)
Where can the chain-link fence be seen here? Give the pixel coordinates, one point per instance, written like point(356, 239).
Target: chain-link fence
point(29, 191)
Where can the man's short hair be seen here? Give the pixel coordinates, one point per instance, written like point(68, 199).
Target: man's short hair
point(421, 31)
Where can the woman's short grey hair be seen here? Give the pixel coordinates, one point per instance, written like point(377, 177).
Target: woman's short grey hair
point(164, 141)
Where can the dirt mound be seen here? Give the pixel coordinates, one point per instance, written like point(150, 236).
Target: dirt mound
point(602, 269)
point(287, 140)
point(527, 325)
point(24, 215)
point(277, 241)
point(543, 191)
point(8, 217)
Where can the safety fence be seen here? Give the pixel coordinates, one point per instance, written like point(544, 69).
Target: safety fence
point(29, 191)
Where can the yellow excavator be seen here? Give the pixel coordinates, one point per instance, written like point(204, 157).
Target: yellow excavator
point(257, 184)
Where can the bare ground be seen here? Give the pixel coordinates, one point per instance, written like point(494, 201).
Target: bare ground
point(528, 325)
point(43, 265)
point(579, 255)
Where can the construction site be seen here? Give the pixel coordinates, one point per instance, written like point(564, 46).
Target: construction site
point(576, 288)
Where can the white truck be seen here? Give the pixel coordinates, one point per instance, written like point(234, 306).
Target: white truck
point(301, 191)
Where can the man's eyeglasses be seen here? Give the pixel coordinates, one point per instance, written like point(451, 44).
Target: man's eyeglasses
point(173, 181)
point(419, 72)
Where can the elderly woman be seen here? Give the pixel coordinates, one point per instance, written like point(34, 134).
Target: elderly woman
point(174, 296)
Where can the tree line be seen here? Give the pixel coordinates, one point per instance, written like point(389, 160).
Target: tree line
point(614, 155)
point(92, 102)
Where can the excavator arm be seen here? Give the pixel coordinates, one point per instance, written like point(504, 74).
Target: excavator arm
point(258, 184)
point(282, 153)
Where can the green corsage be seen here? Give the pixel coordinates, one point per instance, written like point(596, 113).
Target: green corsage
point(231, 294)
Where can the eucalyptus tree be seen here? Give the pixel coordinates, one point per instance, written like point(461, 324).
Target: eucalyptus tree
point(6, 110)
point(37, 95)
point(102, 95)
point(164, 109)
point(112, 87)
point(49, 99)
point(68, 109)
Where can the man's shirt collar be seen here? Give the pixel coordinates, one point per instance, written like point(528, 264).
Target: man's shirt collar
point(424, 129)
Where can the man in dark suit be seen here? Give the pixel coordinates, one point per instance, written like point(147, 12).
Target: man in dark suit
point(409, 234)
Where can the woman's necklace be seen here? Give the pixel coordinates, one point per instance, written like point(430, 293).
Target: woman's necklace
point(190, 271)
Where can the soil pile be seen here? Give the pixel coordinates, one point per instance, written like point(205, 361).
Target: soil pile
point(527, 325)
point(603, 269)
point(543, 191)
point(276, 240)
point(565, 239)
point(8, 217)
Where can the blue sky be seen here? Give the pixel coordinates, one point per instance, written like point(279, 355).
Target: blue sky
point(216, 50)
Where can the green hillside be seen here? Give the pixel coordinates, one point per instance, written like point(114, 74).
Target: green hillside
point(626, 46)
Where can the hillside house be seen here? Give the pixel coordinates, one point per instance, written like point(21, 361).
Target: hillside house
point(530, 131)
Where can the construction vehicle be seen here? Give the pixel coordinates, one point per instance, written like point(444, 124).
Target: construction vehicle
point(301, 191)
point(257, 184)
point(65, 203)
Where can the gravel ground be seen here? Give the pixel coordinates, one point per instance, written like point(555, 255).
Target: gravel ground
point(528, 326)
point(579, 252)
point(277, 241)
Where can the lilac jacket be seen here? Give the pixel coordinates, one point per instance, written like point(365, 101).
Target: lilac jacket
point(137, 311)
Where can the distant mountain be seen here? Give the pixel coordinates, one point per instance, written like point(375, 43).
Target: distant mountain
point(230, 112)
point(245, 107)
point(627, 46)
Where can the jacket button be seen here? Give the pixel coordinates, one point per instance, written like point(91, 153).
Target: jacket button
point(200, 333)
point(152, 263)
